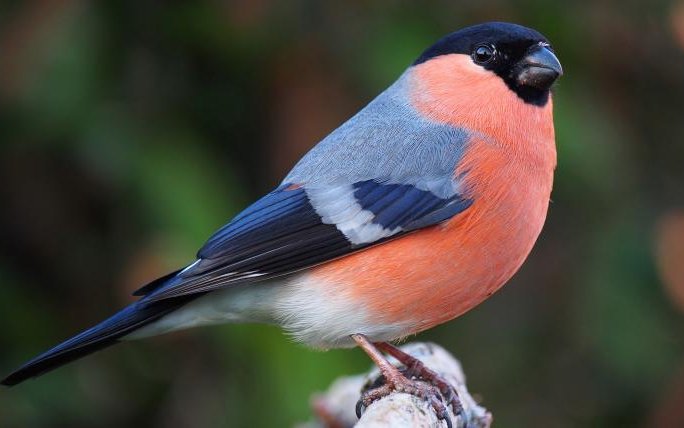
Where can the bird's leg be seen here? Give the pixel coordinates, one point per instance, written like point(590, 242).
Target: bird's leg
point(395, 380)
point(416, 368)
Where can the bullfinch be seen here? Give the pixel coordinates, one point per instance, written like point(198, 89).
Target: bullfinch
point(412, 212)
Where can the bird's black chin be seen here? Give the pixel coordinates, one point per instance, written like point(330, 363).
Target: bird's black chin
point(532, 95)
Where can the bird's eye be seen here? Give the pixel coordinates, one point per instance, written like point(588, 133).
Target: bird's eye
point(483, 54)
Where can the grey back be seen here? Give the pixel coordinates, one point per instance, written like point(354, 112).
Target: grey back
point(387, 141)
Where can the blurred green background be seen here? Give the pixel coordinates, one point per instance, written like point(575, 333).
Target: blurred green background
point(131, 130)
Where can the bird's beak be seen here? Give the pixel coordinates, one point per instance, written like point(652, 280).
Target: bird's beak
point(539, 68)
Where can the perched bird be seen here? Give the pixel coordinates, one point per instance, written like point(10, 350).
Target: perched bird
point(409, 214)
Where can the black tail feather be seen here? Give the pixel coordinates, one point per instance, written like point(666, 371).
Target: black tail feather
point(105, 334)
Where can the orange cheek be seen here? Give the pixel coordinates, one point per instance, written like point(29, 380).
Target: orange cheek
point(452, 89)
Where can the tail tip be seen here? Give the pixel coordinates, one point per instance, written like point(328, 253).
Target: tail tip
point(12, 379)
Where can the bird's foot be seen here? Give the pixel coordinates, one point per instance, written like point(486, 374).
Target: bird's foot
point(415, 379)
point(417, 369)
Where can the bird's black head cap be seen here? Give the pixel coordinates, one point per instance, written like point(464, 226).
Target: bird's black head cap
point(521, 56)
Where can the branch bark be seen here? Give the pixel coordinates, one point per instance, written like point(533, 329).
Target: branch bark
point(335, 408)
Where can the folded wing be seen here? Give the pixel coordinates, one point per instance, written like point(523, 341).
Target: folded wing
point(295, 227)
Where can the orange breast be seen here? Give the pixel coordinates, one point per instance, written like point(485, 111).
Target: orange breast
point(439, 273)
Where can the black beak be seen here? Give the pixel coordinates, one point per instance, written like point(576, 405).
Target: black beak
point(539, 68)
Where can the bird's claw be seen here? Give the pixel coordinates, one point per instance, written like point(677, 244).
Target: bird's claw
point(418, 370)
point(359, 408)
